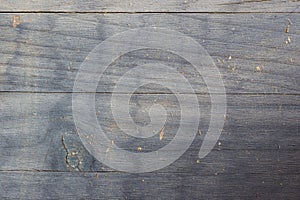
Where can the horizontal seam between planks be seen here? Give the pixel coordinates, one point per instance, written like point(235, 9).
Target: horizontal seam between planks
point(120, 172)
point(148, 93)
point(144, 12)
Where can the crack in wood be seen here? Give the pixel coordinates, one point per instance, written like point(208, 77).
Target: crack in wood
point(244, 2)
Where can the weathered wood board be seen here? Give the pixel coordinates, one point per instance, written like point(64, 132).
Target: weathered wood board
point(258, 152)
point(151, 6)
point(252, 52)
point(61, 185)
point(33, 126)
point(254, 44)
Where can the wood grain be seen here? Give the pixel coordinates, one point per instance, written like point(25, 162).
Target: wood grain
point(152, 6)
point(38, 132)
point(44, 52)
point(255, 45)
point(45, 185)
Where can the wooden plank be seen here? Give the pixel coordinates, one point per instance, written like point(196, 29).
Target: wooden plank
point(38, 133)
point(254, 53)
point(45, 185)
point(152, 6)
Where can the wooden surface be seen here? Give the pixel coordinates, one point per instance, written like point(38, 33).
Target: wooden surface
point(255, 45)
point(44, 52)
point(152, 6)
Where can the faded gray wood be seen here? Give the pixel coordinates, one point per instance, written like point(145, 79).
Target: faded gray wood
point(45, 185)
point(38, 133)
point(253, 52)
point(152, 6)
point(257, 155)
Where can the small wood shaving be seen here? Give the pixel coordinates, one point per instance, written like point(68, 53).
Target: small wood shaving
point(200, 132)
point(288, 40)
point(287, 30)
point(258, 68)
point(233, 68)
point(161, 135)
point(16, 21)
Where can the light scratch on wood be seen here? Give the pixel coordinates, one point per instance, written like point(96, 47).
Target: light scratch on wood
point(67, 152)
